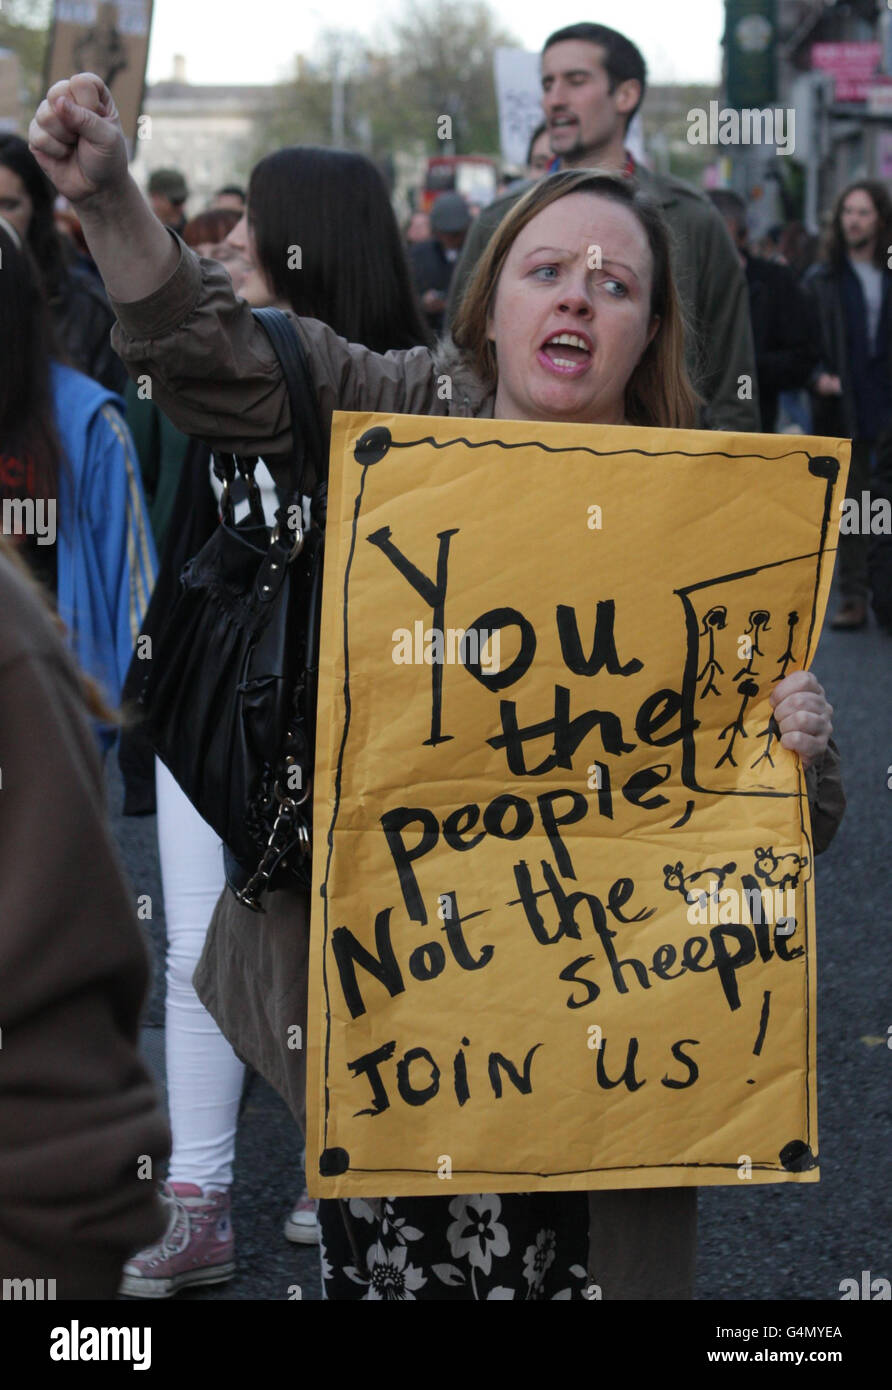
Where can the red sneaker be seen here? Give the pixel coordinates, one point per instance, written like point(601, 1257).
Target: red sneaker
point(196, 1248)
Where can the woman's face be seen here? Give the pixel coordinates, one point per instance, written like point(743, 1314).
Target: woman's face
point(15, 204)
point(582, 267)
point(540, 156)
point(254, 287)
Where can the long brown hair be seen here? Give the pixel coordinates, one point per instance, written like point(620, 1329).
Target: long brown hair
point(659, 391)
point(213, 225)
point(835, 250)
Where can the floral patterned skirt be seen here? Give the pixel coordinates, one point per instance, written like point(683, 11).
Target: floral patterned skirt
point(521, 1246)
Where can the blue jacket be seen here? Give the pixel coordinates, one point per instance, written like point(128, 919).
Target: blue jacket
point(105, 554)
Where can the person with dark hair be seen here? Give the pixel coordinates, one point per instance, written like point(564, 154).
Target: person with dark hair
point(626, 75)
point(533, 289)
point(539, 152)
point(433, 262)
point(79, 1114)
point(231, 196)
point(81, 316)
point(852, 385)
point(69, 470)
point(783, 320)
point(797, 247)
point(593, 82)
point(30, 448)
point(305, 257)
point(168, 194)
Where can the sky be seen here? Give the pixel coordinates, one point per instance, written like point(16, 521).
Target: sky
point(256, 42)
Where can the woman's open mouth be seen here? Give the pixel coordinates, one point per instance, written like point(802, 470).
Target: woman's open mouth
point(565, 354)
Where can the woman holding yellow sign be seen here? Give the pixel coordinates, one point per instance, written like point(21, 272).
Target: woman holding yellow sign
point(571, 316)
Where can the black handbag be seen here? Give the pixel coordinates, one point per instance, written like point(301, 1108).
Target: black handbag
point(229, 696)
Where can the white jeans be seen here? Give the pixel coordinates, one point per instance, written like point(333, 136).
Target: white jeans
point(204, 1076)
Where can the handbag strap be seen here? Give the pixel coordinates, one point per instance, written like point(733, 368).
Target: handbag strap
point(309, 457)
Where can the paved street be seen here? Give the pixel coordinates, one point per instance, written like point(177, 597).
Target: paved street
point(786, 1242)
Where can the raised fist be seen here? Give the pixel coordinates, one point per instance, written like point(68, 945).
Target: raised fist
point(77, 140)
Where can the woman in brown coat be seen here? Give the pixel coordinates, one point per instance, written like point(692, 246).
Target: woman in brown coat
point(542, 336)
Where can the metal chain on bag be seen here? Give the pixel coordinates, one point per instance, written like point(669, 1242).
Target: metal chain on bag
point(287, 826)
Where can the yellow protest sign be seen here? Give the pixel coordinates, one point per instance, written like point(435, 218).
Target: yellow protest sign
point(563, 922)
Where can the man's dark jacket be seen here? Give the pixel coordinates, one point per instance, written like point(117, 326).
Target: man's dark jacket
point(831, 289)
point(431, 270)
point(785, 331)
point(864, 410)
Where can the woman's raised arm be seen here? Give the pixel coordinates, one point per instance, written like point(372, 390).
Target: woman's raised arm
point(181, 331)
point(77, 140)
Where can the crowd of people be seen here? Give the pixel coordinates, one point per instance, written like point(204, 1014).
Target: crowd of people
point(105, 288)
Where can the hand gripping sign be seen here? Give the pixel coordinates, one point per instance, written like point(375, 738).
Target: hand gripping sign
point(563, 920)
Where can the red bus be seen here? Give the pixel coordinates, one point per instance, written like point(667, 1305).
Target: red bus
point(473, 175)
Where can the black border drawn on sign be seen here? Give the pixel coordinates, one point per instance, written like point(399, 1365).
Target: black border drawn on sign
point(369, 449)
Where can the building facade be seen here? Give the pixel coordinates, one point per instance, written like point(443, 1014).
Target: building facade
point(207, 132)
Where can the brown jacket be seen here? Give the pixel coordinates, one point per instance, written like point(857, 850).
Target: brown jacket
point(214, 373)
point(79, 1115)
